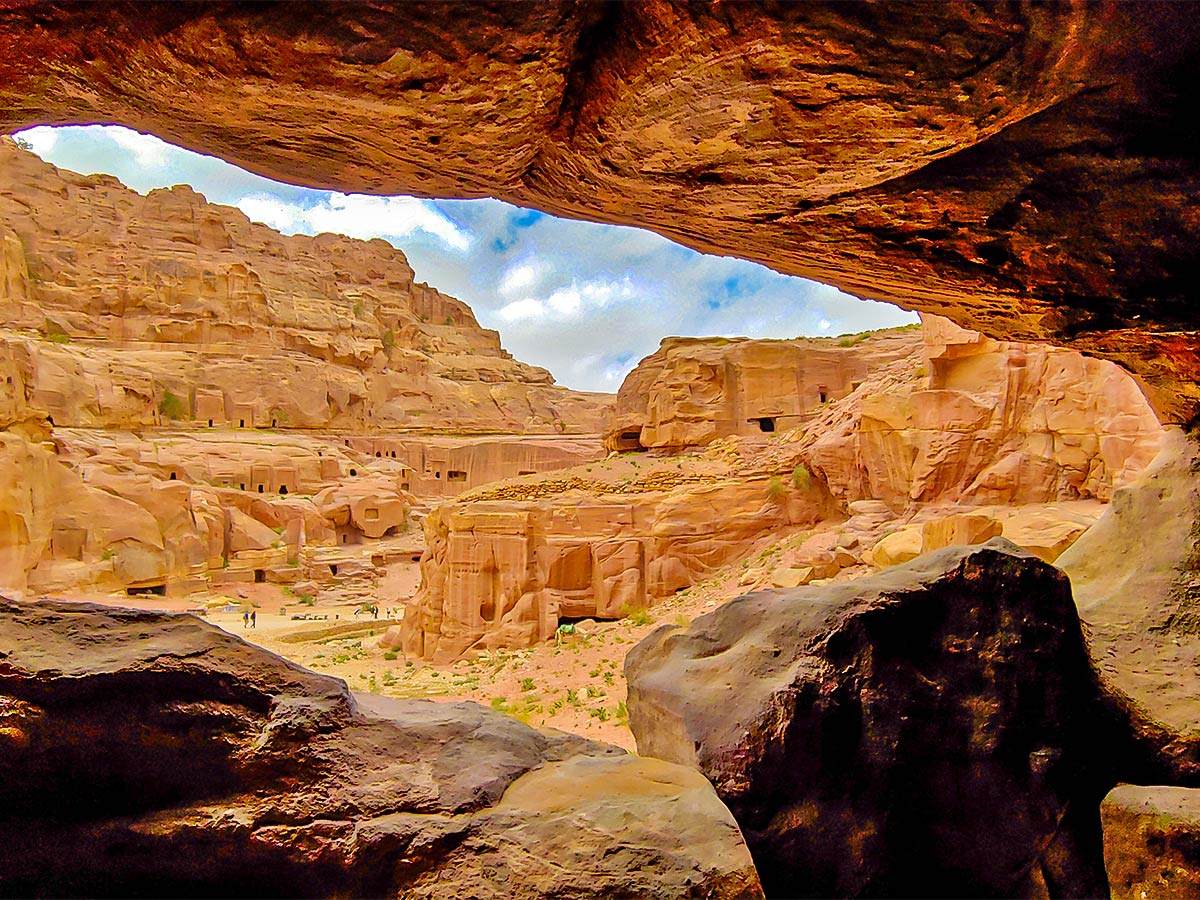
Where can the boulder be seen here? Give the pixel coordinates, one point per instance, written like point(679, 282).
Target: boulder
point(1152, 842)
point(898, 547)
point(152, 754)
point(933, 730)
point(1136, 579)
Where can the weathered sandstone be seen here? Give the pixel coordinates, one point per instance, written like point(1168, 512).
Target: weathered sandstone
point(976, 421)
point(143, 753)
point(694, 390)
point(1032, 178)
point(1135, 579)
point(934, 730)
point(1152, 842)
point(502, 573)
point(123, 311)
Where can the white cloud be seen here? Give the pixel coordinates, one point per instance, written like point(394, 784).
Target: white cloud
point(520, 277)
point(520, 310)
point(358, 216)
point(148, 151)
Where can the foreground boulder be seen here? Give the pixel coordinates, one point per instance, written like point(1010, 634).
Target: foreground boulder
point(1136, 579)
point(934, 730)
point(146, 754)
point(1152, 842)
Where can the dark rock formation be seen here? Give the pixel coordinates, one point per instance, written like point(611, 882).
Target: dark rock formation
point(935, 730)
point(1152, 842)
point(154, 755)
point(1024, 169)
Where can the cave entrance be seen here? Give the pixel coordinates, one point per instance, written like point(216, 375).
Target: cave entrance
point(629, 440)
point(260, 575)
point(159, 590)
point(767, 423)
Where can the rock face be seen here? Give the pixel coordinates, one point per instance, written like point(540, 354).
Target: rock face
point(694, 390)
point(1135, 579)
point(930, 731)
point(151, 754)
point(503, 572)
point(1033, 179)
point(975, 421)
point(1152, 842)
point(125, 311)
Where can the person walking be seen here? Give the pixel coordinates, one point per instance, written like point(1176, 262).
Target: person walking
point(254, 619)
point(245, 620)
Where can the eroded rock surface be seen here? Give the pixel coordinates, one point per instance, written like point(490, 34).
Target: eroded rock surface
point(1152, 842)
point(692, 391)
point(148, 754)
point(1033, 178)
point(934, 730)
point(122, 311)
point(1136, 578)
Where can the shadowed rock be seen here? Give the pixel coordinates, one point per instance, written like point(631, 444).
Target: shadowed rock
point(146, 754)
point(1033, 178)
point(935, 730)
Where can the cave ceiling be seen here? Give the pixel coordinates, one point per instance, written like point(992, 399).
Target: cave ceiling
point(1027, 170)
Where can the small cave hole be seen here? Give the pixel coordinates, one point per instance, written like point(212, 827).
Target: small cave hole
point(260, 488)
point(767, 423)
point(353, 472)
point(173, 476)
point(241, 423)
point(332, 568)
point(283, 489)
point(260, 575)
point(159, 590)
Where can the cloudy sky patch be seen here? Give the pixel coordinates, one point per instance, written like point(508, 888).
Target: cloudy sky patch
point(586, 301)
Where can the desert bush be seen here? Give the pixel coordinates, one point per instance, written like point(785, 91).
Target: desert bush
point(800, 478)
point(171, 406)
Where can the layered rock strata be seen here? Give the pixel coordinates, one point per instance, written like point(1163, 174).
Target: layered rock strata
point(934, 730)
point(1032, 179)
point(123, 311)
point(143, 753)
point(695, 390)
point(504, 572)
point(976, 421)
point(949, 438)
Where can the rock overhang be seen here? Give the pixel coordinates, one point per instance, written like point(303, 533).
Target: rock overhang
point(1023, 170)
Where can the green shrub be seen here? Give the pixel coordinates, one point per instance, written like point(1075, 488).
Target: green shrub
point(526, 684)
point(775, 487)
point(388, 339)
point(171, 406)
point(391, 654)
point(636, 615)
point(800, 478)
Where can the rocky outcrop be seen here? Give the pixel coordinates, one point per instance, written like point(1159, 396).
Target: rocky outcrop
point(502, 572)
point(695, 390)
point(1136, 578)
point(934, 730)
point(151, 754)
point(1152, 842)
point(975, 421)
point(126, 311)
point(1033, 179)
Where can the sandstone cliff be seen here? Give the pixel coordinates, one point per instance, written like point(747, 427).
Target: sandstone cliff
point(124, 311)
point(694, 390)
point(946, 431)
point(149, 347)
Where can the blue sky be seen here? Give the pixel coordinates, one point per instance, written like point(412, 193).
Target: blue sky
point(586, 301)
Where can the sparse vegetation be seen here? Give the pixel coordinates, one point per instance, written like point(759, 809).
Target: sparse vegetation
point(801, 478)
point(636, 615)
point(388, 339)
point(775, 487)
point(171, 406)
point(527, 684)
point(391, 654)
